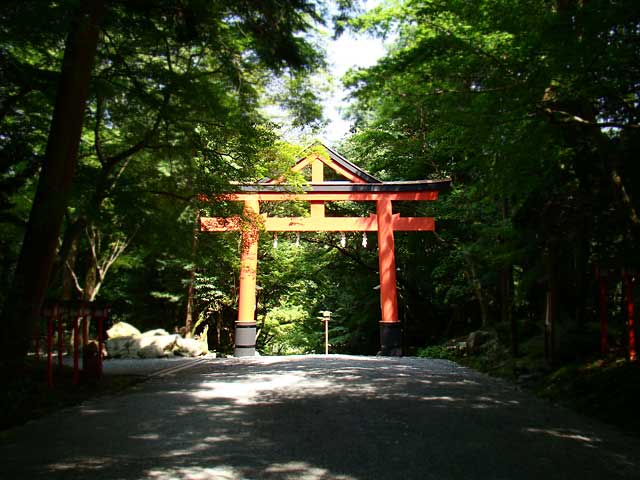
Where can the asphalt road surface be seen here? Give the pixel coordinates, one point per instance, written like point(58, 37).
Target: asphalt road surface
point(317, 417)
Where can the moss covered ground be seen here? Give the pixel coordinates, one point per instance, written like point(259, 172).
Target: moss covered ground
point(603, 387)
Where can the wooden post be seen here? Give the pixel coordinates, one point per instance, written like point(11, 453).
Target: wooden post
point(50, 350)
point(317, 176)
point(245, 338)
point(76, 345)
point(326, 318)
point(629, 281)
point(85, 327)
point(102, 316)
point(60, 333)
point(390, 332)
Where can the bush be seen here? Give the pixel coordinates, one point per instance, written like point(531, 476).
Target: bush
point(438, 351)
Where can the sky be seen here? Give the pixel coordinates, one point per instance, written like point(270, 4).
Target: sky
point(346, 52)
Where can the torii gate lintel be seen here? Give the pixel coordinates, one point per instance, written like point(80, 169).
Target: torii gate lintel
point(360, 187)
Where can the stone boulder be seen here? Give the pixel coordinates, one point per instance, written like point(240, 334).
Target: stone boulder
point(126, 341)
point(123, 347)
point(156, 346)
point(481, 340)
point(158, 332)
point(190, 347)
point(123, 329)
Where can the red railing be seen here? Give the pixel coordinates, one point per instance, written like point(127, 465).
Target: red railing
point(76, 317)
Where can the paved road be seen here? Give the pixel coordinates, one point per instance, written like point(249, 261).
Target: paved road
point(318, 418)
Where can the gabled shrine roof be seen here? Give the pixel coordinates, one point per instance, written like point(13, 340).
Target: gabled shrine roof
point(368, 183)
point(340, 160)
point(352, 167)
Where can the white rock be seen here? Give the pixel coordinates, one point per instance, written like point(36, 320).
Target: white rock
point(155, 346)
point(122, 329)
point(190, 347)
point(123, 347)
point(155, 333)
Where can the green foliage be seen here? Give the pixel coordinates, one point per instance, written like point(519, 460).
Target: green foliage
point(283, 332)
point(530, 107)
point(520, 103)
point(174, 111)
point(437, 351)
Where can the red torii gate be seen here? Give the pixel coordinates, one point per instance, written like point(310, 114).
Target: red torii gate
point(360, 186)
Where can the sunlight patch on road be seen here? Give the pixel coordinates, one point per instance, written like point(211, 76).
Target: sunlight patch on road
point(566, 434)
point(440, 399)
point(196, 473)
point(145, 436)
point(80, 464)
point(302, 470)
point(289, 470)
point(245, 392)
point(494, 401)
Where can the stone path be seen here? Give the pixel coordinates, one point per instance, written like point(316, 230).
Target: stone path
point(316, 417)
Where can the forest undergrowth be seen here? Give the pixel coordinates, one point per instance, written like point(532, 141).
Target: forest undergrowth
point(606, 387)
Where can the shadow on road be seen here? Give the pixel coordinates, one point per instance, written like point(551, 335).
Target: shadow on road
point(320, 418)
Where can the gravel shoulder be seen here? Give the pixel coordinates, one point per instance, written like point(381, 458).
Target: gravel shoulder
point(148, 366)
point(316, 417)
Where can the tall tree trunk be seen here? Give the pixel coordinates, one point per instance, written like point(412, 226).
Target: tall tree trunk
point(551, 309)
point(68, 284)
point(506, 310)
point(506, 290)
point(91, 284)
point(188, 323)
point(54, 184)
point(581, 262)
point(219, 330)
point(479, 294)
point(67, 249)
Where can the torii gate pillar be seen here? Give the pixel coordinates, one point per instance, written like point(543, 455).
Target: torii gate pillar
point(390, 331)
point(245, 335)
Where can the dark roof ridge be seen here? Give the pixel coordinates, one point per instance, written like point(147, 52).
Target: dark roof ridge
point(348, 165)
point(340, 160)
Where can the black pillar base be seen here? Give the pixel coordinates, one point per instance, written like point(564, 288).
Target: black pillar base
point(390, 340)
point(245, 340)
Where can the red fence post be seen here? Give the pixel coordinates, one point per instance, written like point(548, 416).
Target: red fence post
point(75, 348)
point(85, 326)
point(60, 335)
point(50, 349)
point(102, 316)
point(629, 281)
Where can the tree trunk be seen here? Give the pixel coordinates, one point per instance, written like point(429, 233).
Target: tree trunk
point(54, 184)
point(506, 290)
point(219, 330)
point(479, 294)
point(67, 250)
point(551, 308)
point(506, 310)
point(68, 284)
point(91, 284)
point(188, 324)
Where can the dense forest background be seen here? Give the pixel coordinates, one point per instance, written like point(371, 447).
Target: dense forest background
point(531, 107)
